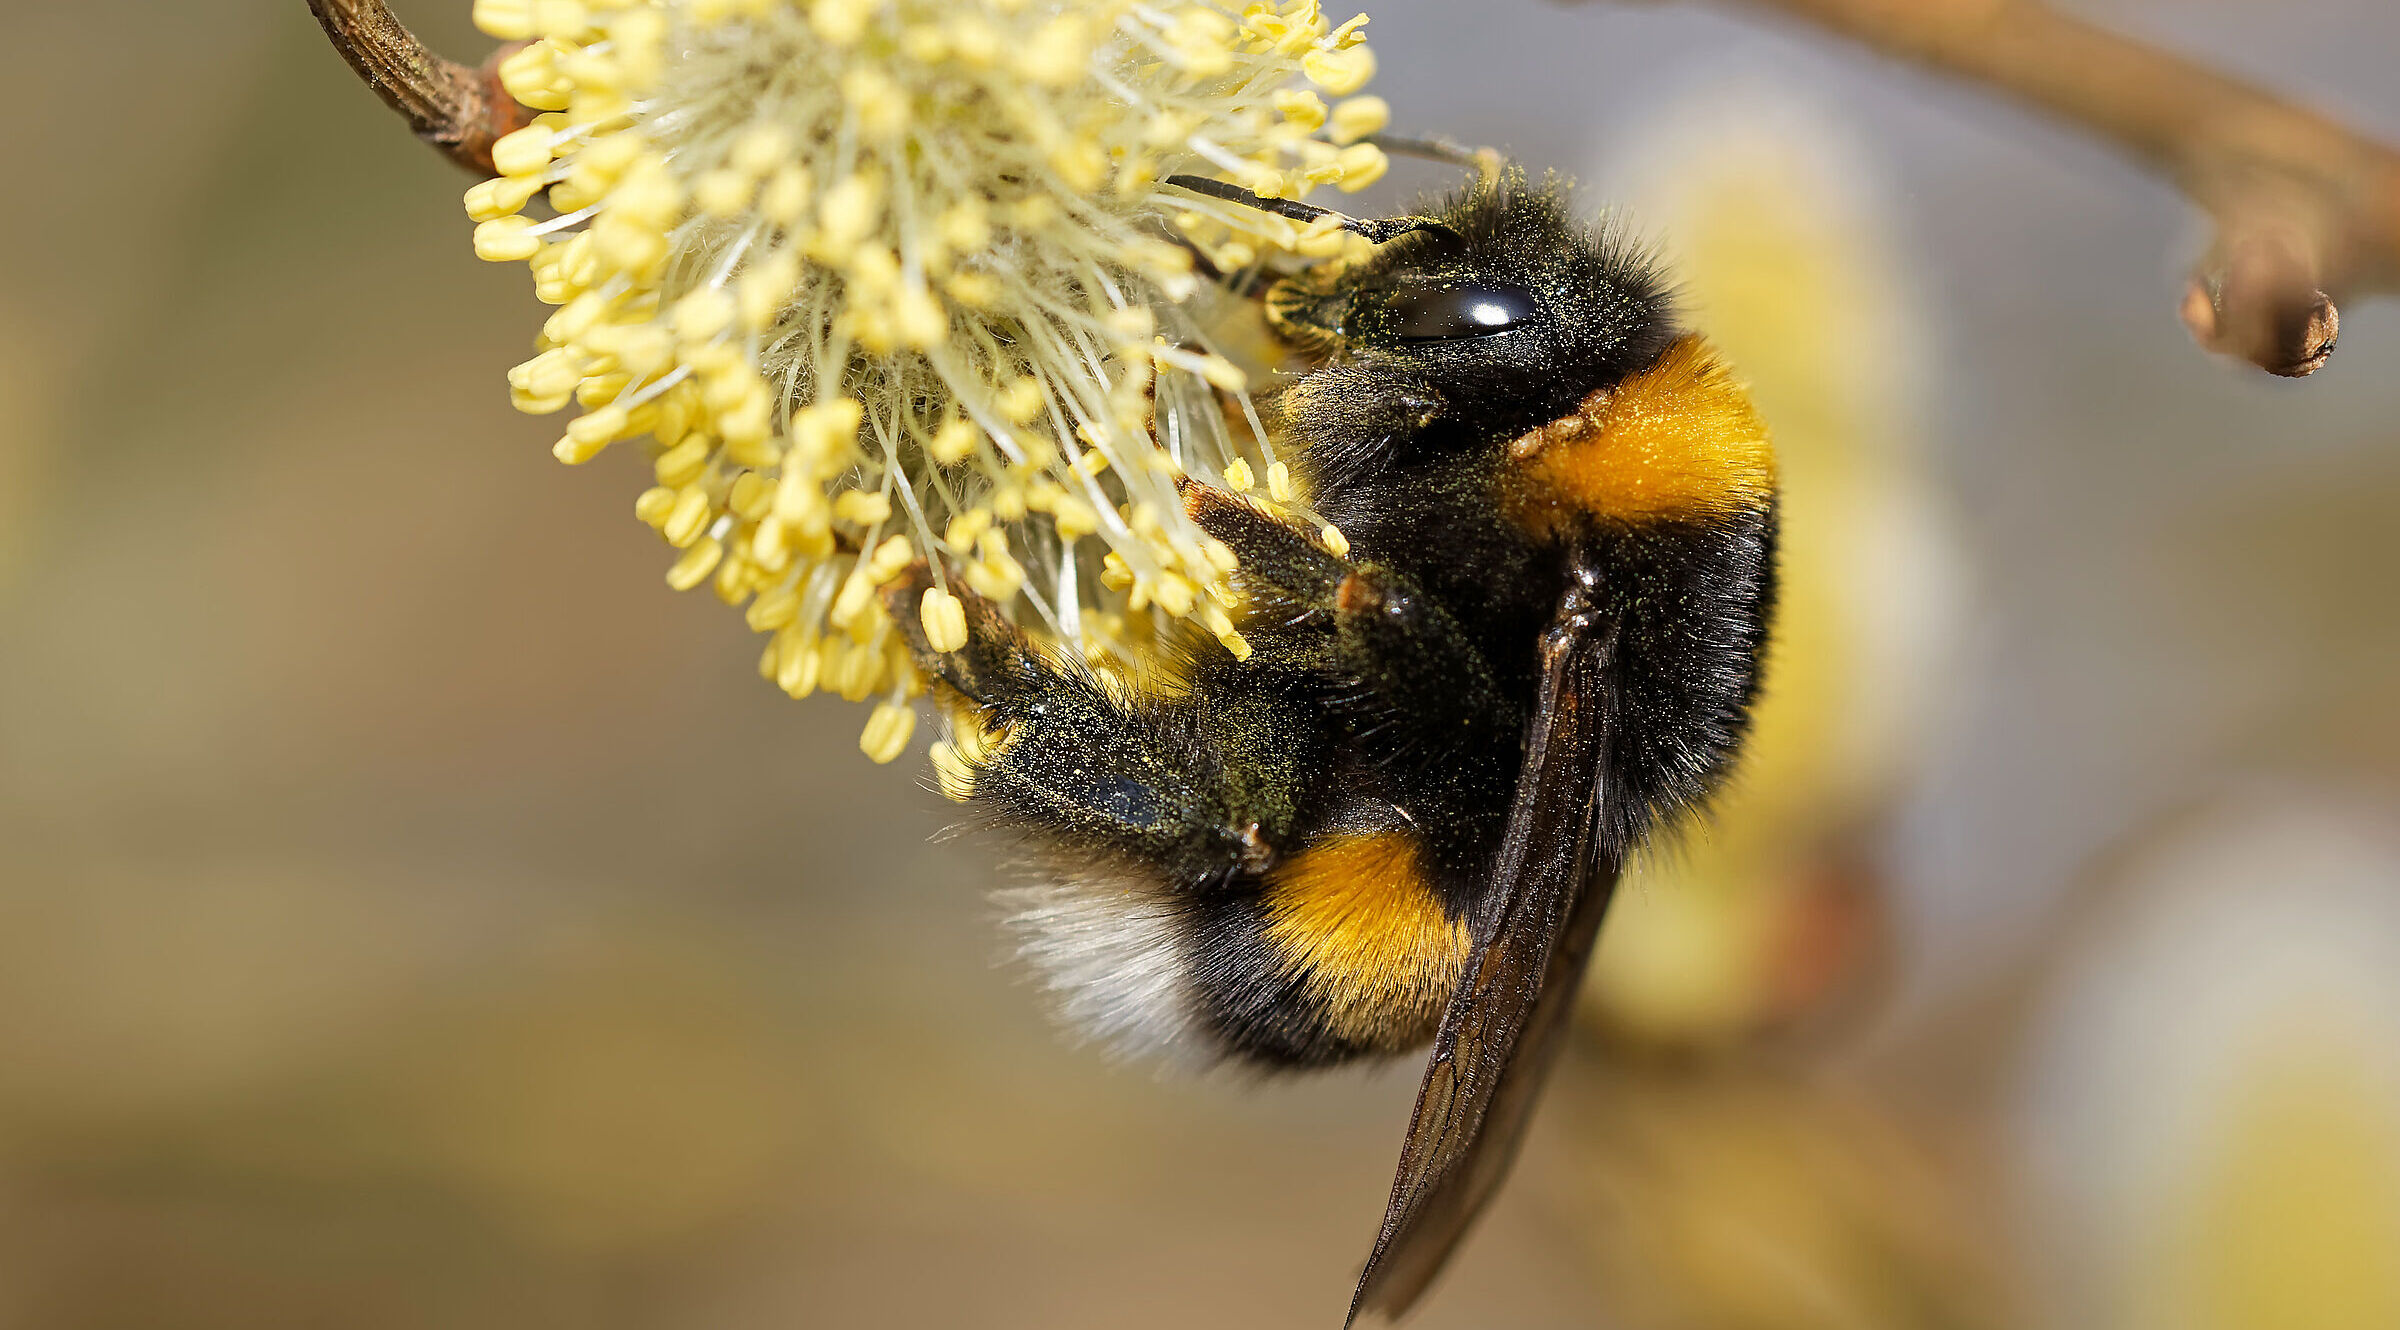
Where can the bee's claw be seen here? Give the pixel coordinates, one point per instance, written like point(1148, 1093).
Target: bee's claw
point(1203, 501)
point(902, 595)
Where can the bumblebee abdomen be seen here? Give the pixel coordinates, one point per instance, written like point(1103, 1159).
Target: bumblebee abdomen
point(1343, 950)
point(1355, 920)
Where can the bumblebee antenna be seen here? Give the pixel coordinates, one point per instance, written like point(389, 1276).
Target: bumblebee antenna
point(1488, 164)
point(1376, 229)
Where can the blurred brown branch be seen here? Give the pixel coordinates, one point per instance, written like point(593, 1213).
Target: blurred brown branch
point(2307, 209)
point(459, 109)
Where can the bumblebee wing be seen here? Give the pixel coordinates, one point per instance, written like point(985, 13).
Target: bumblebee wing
point(1508, 1020)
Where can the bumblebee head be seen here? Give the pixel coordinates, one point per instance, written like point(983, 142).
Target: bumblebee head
point(1500, 322)
point(1497, 305)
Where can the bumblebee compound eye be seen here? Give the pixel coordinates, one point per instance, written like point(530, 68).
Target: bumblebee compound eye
point(1449, 311)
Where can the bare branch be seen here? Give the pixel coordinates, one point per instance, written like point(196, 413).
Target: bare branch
point(2307, 209)
point(457, 108)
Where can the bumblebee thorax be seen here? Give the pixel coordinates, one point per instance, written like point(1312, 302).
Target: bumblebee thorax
point(1676, 442)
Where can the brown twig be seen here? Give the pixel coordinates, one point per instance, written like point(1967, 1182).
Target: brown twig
point(2307, 210)
point(459, 109)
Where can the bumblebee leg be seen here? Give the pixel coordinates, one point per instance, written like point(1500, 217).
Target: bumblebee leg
point(1276, 557)
point(997, 663)
point(1408, 652)
point(1205, 792)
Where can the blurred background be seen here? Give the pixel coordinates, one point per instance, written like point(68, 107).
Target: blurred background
point(412, 914)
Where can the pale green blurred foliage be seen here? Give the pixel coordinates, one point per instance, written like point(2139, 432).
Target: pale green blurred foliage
point(413, 915)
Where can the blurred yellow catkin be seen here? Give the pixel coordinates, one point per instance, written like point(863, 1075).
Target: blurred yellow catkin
point(1773, 231)
point(1737, 1193)
point(2211, 1107)
point(2293, 1219)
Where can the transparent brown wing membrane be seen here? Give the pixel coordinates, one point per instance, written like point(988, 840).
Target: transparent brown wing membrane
point(1508, 1020)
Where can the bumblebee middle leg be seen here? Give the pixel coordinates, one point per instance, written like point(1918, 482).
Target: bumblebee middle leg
point(1406, 651)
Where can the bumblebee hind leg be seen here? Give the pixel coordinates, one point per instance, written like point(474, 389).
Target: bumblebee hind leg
point(997, 663)
point(1155, 821)
point(1204, 786)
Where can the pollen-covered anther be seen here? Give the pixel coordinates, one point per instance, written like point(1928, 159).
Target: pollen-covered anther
point(508, 20)
point(1361, 165)
point(695, 565)
point(523, 152)
point(1340, 72)
point(945, 620)
point(1356, 117)
point(889, 727)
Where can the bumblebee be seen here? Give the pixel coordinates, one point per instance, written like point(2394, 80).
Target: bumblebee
point(1399, 820)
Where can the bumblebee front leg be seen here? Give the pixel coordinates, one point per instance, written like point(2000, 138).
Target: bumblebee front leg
point(1406, 650)
point(1207, 791)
